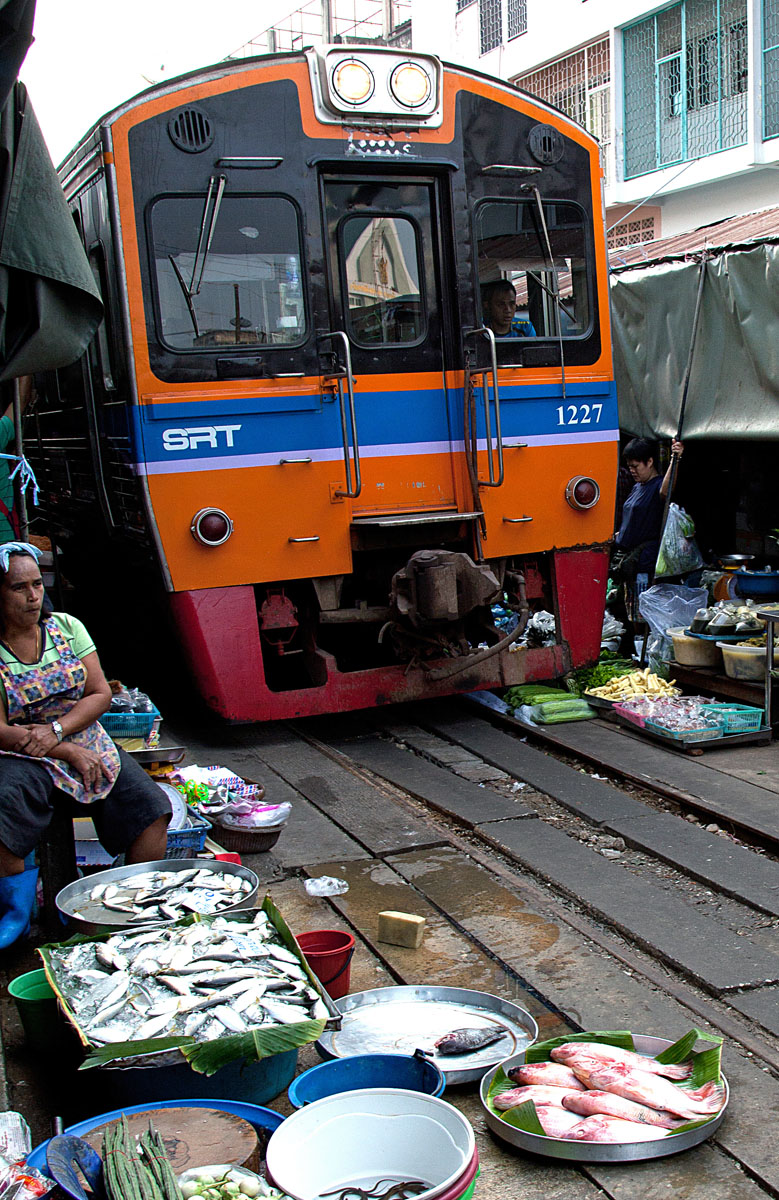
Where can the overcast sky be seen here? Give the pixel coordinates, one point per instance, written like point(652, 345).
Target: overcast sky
point(90, 55)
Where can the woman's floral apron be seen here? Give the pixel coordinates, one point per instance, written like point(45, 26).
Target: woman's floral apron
point(43, 694)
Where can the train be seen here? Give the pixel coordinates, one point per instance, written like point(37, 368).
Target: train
point(297, 421)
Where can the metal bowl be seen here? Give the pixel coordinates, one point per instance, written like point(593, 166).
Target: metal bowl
point(90, 917)
point(731, 562)
point(597, 1151)
point(400, 1020)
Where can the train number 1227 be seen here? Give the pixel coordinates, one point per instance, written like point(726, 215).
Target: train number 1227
point(579, 414)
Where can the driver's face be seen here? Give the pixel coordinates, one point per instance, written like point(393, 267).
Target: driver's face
point(499, 311)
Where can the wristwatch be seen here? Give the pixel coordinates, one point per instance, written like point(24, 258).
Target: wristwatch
point(59, 732)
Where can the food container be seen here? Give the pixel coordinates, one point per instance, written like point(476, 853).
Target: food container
point(247, 841)
point(759, 585)
point(745, 662)
point(89, 917)
point(694, 652)
point(357, 1138)
point(575, 1151)
point(413, 1072)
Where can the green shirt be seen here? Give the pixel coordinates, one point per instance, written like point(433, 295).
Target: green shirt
point(74, 633)
point(6, 487)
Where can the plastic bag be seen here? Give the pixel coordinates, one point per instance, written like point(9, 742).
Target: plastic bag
point(667, 606)
point(326, 885)
point(678, 553)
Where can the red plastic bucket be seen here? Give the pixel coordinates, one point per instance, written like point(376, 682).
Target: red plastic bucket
point(329, 954)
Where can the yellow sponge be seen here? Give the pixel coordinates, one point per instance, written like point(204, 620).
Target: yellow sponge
point(401, 929)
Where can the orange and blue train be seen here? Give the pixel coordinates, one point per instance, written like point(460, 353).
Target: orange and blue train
point(299, 408)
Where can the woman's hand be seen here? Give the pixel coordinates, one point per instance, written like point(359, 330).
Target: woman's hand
point(36, 740)
point(88, 764)
point(677, 449)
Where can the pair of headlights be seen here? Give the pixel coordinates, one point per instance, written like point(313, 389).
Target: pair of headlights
point(353, 82)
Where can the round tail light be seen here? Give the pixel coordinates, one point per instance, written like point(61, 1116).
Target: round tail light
point(582, 492)
point(211, 527)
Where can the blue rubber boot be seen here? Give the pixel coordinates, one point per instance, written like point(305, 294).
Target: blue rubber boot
point(17, 898)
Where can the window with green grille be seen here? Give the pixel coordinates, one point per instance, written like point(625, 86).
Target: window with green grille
point(685, 83)
point(770, 68)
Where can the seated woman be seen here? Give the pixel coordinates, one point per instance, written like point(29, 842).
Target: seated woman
point(53, 751)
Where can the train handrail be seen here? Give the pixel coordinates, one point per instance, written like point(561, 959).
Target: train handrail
point(493, 369)
point(352, 490)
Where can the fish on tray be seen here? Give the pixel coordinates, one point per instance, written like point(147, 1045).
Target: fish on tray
point(204, 981)
point(465, 1041)
point(169, 895)
point(556, 1122)
point(590, 1104)
point(602, 1128)
point(652, 1090)
point(538, 1093)
point(602, 1052)
point(554, 1074)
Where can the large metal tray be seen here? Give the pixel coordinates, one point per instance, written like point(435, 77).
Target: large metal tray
point(74, 902)
point(401, 1020)
point(597, 1151)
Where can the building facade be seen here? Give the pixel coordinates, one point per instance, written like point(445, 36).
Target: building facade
point(684, 97)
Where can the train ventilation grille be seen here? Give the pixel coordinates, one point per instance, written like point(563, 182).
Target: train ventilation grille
point(191, 130)
point(546, 144)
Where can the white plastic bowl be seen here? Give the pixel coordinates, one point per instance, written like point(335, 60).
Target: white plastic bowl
point(356, 1138)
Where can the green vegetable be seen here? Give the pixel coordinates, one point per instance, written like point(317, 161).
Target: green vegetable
point(562, 710)
point(128, 1176)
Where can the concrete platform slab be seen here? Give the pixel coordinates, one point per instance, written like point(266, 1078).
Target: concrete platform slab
point(697, 944)
point(461, 798)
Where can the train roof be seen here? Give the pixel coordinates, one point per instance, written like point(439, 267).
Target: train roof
point(86, 144)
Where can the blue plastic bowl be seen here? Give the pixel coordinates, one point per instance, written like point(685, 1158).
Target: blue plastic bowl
point(409, 1071)
point(260, 1118)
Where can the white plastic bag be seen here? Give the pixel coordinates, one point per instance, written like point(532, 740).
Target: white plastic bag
point(667, 606)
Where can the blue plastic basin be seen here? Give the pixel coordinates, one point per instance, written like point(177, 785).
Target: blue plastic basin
point(260, 1118)
point(415, 1074)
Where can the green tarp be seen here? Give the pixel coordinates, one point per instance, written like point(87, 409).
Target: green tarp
point(734, 383)
point(49, 303)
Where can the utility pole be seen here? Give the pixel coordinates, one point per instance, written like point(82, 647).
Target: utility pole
point(327, 21)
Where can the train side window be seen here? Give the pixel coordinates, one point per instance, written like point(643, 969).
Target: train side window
point(512, 249)
point(381, 262)
point(102, 343)
point(243, 288)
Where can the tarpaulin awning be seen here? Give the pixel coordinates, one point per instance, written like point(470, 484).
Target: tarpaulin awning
point(734, 381)
point(49, 303)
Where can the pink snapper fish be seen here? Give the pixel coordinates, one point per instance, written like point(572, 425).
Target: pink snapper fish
point(589, 1104)
point(569, 1051)
point(539, 1094)
point(552, 1073)
point(556, 1122)
point(602, 1128)
point(651, 1090)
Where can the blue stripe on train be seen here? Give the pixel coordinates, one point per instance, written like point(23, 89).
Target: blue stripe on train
point(389, 423)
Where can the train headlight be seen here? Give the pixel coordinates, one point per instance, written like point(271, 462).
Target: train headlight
point(582, 492)
point(353, 81)
point(211, 527)
point(410, 84)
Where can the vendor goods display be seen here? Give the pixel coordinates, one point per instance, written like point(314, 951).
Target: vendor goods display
point(374, 1144)
point(609, 666)
point(156, 893)
point(214, 988)
point(692, 651)
point(608, 1097)
point(244, 822)
point(676, 716)
point(636, 683)
point(464, 1032)
point(553, 712)
point(223, 1182)
point(746, 660)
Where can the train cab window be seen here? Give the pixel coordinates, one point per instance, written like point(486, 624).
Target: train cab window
point(381, 261)
point(517, 278)
point(228, 276)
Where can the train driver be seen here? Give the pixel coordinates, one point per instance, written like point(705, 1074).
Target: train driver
point(499, 306)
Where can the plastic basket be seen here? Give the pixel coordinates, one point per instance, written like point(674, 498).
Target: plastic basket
point(187, 842)
point(247, 841)
point(129, 725)
point(627, 714)
point(704, 734)
point(736, 718)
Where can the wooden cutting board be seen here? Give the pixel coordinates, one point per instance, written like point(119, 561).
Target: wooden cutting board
point(194, 1137)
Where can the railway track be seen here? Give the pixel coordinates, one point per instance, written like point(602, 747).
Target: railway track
point(592, 905)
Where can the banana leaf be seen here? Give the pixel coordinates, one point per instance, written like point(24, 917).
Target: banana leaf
point(203, 1057)
point(706, 1068)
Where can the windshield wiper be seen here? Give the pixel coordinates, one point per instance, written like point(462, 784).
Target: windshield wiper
point(216, 184)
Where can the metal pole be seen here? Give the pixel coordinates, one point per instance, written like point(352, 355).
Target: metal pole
point(327, 21)
point(20, 502)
